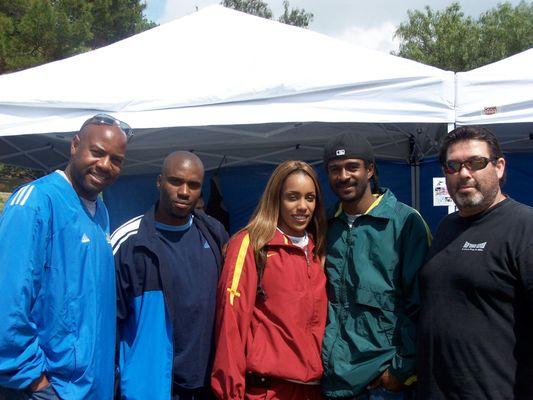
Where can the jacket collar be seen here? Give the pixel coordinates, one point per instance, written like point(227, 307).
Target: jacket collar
point(281, 239)
point(382, 207)
point(147, 232)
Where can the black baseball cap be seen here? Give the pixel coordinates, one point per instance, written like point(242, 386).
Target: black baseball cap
point(348, 145)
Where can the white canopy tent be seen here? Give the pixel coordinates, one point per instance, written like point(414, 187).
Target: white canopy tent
point(500, 94)
point(225, 84)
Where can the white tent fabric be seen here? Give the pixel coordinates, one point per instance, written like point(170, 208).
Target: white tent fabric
point(219, 81)
point(501, 92)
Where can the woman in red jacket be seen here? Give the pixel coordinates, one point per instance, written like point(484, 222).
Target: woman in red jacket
point(272, 298)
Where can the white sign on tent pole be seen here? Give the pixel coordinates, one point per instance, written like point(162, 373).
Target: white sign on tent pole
point(441, 196)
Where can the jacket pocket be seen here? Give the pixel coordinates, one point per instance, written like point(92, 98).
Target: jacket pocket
point(374, 318)
point(61, 355)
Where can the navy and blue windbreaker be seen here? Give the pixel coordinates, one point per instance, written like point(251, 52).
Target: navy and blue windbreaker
point(147, 321)
point(57, 292)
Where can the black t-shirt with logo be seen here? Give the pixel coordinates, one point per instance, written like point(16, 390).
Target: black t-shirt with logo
point(475, 333)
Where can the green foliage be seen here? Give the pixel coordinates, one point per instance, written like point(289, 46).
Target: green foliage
point(450, 40)
point(291, 16)
point(114, 20)
point(295, 16)
point(34, 32)
point(11, 176)
point(253, 7)
point(505, 31)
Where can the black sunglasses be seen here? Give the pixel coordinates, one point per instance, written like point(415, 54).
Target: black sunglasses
point(106, 119)
point(472, 164)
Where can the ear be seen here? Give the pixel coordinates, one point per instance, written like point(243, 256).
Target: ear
point(500, 167)
point(74, 145)
point(370, 171)
point(158, 182)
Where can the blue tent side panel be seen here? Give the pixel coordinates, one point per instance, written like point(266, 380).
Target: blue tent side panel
point(131, 196)
point(242, 188)
point(519, 182)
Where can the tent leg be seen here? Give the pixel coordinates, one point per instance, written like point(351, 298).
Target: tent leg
point(414, 162)
point(415, 186)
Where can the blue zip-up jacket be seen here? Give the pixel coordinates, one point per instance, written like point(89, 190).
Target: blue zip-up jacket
point(57, 285)
point(147, 320)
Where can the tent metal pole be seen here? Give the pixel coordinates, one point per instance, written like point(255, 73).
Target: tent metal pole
point(236, 159)
point(414, 162)
point(25, 152)
point(258, 158)
point(415, 186)
point(35, 160)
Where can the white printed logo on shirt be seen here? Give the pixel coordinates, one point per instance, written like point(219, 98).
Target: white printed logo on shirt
point(474, 246)
point(85, 239)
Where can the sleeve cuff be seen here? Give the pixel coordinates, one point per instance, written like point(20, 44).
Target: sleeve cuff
point(403, 369)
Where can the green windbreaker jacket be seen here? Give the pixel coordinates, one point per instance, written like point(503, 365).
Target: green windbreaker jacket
point(373, 295)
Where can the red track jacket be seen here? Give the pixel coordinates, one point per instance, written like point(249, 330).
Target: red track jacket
point(278, 335)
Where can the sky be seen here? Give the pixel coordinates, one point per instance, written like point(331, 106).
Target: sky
point(368, 23)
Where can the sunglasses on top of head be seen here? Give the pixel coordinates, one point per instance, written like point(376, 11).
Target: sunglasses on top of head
point(472, 164)
point(106, 119)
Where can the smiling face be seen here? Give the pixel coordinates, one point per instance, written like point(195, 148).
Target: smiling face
point(96, 159)
point(180, 187)
point(474, 191)
point(350, 180)
point(297, 203)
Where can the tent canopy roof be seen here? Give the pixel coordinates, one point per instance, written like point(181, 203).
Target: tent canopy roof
point(226, 83)
point(223, 67)
point(497, 93)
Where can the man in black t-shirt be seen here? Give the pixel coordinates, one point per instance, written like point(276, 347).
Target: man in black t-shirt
point(475, 333)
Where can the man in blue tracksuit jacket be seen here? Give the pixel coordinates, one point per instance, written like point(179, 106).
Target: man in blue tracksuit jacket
point(57, 302)
point(168, 262)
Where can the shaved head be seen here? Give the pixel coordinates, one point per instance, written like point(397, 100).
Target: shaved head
point(181, 159)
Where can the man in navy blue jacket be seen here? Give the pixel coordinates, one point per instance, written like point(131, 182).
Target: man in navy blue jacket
point(57, 281)
point(167, 263)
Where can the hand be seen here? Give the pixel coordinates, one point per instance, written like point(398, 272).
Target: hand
point(387, 381)
point(40, 383)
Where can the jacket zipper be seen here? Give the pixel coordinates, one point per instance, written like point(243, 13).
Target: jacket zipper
point(342, 294)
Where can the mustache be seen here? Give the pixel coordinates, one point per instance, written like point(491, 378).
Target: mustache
point(468, 182)
point(348, 182)
point(97, 171)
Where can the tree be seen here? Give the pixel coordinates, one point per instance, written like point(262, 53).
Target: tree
point(114, 20)
point(450, 40)
point(291, 16)
point(295, 16)
point(253, 7)
point(34, 32)
point(505, 31)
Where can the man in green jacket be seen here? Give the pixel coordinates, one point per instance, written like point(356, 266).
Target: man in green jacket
point(376, 246)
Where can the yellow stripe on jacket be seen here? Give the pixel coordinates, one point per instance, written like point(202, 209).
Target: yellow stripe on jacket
point(237, 272)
